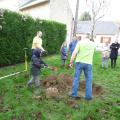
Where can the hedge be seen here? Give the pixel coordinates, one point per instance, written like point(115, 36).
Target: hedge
point(18, 33)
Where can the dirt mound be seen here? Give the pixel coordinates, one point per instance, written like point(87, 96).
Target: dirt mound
point(54, 69)
point(52, 92)
point(50, 81)
point(63, 83)
point(96, 89)
point(71, 103)
point(67, 79)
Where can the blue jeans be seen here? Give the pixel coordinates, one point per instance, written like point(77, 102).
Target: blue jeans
point(63, 62)
point(87, 68)
point(105, 62)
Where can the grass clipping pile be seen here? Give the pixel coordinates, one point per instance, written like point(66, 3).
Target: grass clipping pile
point(60, 85)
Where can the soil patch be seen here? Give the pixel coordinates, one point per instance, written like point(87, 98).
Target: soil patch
point(54, 69)
point(72, 103)
point(96, 89)
point(63, 84)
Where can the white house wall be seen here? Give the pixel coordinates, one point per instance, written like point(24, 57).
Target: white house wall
point(60, 11)
point(41, 11)
point(98, 38)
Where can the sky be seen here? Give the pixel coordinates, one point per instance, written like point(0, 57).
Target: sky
point(112, 13)
point(7, 4)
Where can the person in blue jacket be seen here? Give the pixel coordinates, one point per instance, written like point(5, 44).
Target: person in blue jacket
point(72, 45)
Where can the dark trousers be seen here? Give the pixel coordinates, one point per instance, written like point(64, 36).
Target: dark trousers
point(113, 62)
point(63, 62)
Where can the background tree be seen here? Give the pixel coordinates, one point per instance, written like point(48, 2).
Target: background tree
point(85, 16)
point(18, 31)
point(98, 9)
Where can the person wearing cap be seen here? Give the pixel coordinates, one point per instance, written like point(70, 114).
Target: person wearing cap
point(36, 65)
point(83, 53)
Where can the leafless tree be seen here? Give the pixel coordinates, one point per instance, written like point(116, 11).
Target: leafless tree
point(98, 9)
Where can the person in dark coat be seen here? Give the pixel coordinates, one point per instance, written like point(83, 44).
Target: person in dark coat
point(64, 53)
point(36, 65)
point(114, 53)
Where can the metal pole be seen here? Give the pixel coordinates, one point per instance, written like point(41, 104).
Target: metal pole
point(26, 64)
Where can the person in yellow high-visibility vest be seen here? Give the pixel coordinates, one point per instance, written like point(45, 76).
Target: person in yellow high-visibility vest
point(83, 56)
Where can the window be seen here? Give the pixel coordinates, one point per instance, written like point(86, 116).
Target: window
point(105, 39)
point(79, 37)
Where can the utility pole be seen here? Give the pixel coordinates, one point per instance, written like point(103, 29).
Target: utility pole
point(76, 18)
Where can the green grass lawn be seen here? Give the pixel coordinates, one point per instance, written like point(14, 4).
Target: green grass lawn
point(17, 102)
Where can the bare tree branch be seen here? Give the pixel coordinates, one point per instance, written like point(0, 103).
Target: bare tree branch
point(97, 11)
point(99, 18)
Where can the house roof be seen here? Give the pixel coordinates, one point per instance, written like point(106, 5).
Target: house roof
point(101, 27)
point(31, 3)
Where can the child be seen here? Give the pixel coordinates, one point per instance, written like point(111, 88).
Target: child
point(36, 65)
point(105, 55)
point(64, 54)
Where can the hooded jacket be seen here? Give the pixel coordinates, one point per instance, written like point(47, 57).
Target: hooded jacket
point(114, 50)
point(36, 62)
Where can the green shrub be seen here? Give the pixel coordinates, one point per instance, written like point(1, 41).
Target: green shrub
point(18, 33)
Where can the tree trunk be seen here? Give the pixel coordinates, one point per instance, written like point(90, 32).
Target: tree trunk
point(76, 18)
